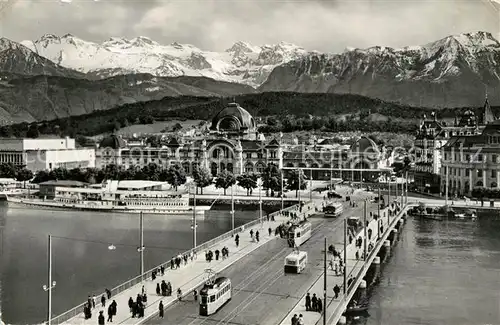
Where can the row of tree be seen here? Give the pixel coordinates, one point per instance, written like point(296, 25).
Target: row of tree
point(176, 176)
point(288, 124)
point(483, 192)
point(18, 173)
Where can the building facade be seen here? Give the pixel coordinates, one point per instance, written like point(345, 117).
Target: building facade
point(433, 134)
point(233, 143)
point(45, 154)
point(472, 161)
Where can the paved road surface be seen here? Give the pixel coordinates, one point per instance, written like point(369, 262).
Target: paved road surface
point(262, 293)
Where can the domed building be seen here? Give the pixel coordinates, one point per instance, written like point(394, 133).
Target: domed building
point(234, 121)
point(233, 144)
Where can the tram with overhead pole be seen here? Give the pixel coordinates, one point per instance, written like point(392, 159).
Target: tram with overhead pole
point(215, 294)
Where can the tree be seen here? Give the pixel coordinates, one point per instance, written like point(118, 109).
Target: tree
point(247, 181)
point(59, 173)
point(24, 175)
point(293, 181)
point(224, 180)
point(177, 127)
point(202, 177)
point(7, 170)
point(175, 175)
point(33, 131)
point(42, 176)
point(151, 172)
point(271, 179)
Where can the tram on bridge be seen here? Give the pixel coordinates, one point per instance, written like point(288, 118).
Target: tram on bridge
point(296, 262)
point(214, 295)
point(299, 233)
point(333, 210)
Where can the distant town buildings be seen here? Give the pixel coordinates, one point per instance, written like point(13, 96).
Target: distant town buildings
point(431, 137)
point(45, 154)
point(232, 143)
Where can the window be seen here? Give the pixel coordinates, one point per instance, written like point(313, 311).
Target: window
point(259, 155)
point(494, 158)
point(204, 300)
point(480, 173)
point(212, 298)
point(249, 155)
point(493, 173)
point(467, 158)
point(479, 157)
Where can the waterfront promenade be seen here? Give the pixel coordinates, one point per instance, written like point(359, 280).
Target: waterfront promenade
point(353, 269)
point(187, 277)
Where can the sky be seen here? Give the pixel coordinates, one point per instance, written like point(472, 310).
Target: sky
point(323, 25)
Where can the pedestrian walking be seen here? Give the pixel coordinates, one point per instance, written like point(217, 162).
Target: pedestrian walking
point(237, 240)
point(195, 295)
point(308, 302)
point(158, 289)
point(300, 321)
point(314, 302)
point(270, 231)
point(162, 270)
point(108, 293)
point(257, 236)
point(93, 301)
point(319, 305)
point(110, 313)
point(336, 291)
point(295, 318)
point(160, 309)
point(179, 294)
point(100, 319)
point(103, 301)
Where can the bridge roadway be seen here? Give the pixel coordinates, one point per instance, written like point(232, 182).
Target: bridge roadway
point(262, 293)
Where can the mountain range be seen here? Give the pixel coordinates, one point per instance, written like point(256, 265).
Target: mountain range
point(54, 76)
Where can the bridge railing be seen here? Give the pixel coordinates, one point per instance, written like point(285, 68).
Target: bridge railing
point(75, 311)
point(366, 264)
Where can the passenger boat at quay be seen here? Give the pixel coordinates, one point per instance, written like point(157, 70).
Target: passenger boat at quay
point(112, 196)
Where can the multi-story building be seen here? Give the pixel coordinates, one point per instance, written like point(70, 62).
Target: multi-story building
point(45, 154)
point(433, 135)
point(234, 144)
point(472, 161)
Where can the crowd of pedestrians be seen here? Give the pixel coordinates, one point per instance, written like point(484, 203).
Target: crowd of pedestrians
point(91, 305)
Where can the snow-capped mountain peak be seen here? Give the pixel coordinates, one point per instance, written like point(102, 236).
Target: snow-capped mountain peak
point(243, 62)
point(243, 47)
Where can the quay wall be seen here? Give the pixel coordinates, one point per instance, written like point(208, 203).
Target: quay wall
point(337, 310)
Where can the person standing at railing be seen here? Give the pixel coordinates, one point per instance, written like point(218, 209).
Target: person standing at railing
point(108, 293)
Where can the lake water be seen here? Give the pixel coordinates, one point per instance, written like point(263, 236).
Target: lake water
point(82, 264)
point(441, 273)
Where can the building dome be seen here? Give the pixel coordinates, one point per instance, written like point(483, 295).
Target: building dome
point(233, 118)
point(113, 142)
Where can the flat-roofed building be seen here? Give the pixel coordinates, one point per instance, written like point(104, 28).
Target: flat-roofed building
point(45, 154)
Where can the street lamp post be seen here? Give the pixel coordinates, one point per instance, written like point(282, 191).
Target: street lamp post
point(141, 244)
point(51, 284)
point(232, 208)
point(311, 185)
point(300, 174)
point(194, 225)
point(282, 194)
point(365, 226)
point(260, 203)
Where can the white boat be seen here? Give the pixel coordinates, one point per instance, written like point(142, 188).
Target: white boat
point(107, 198)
